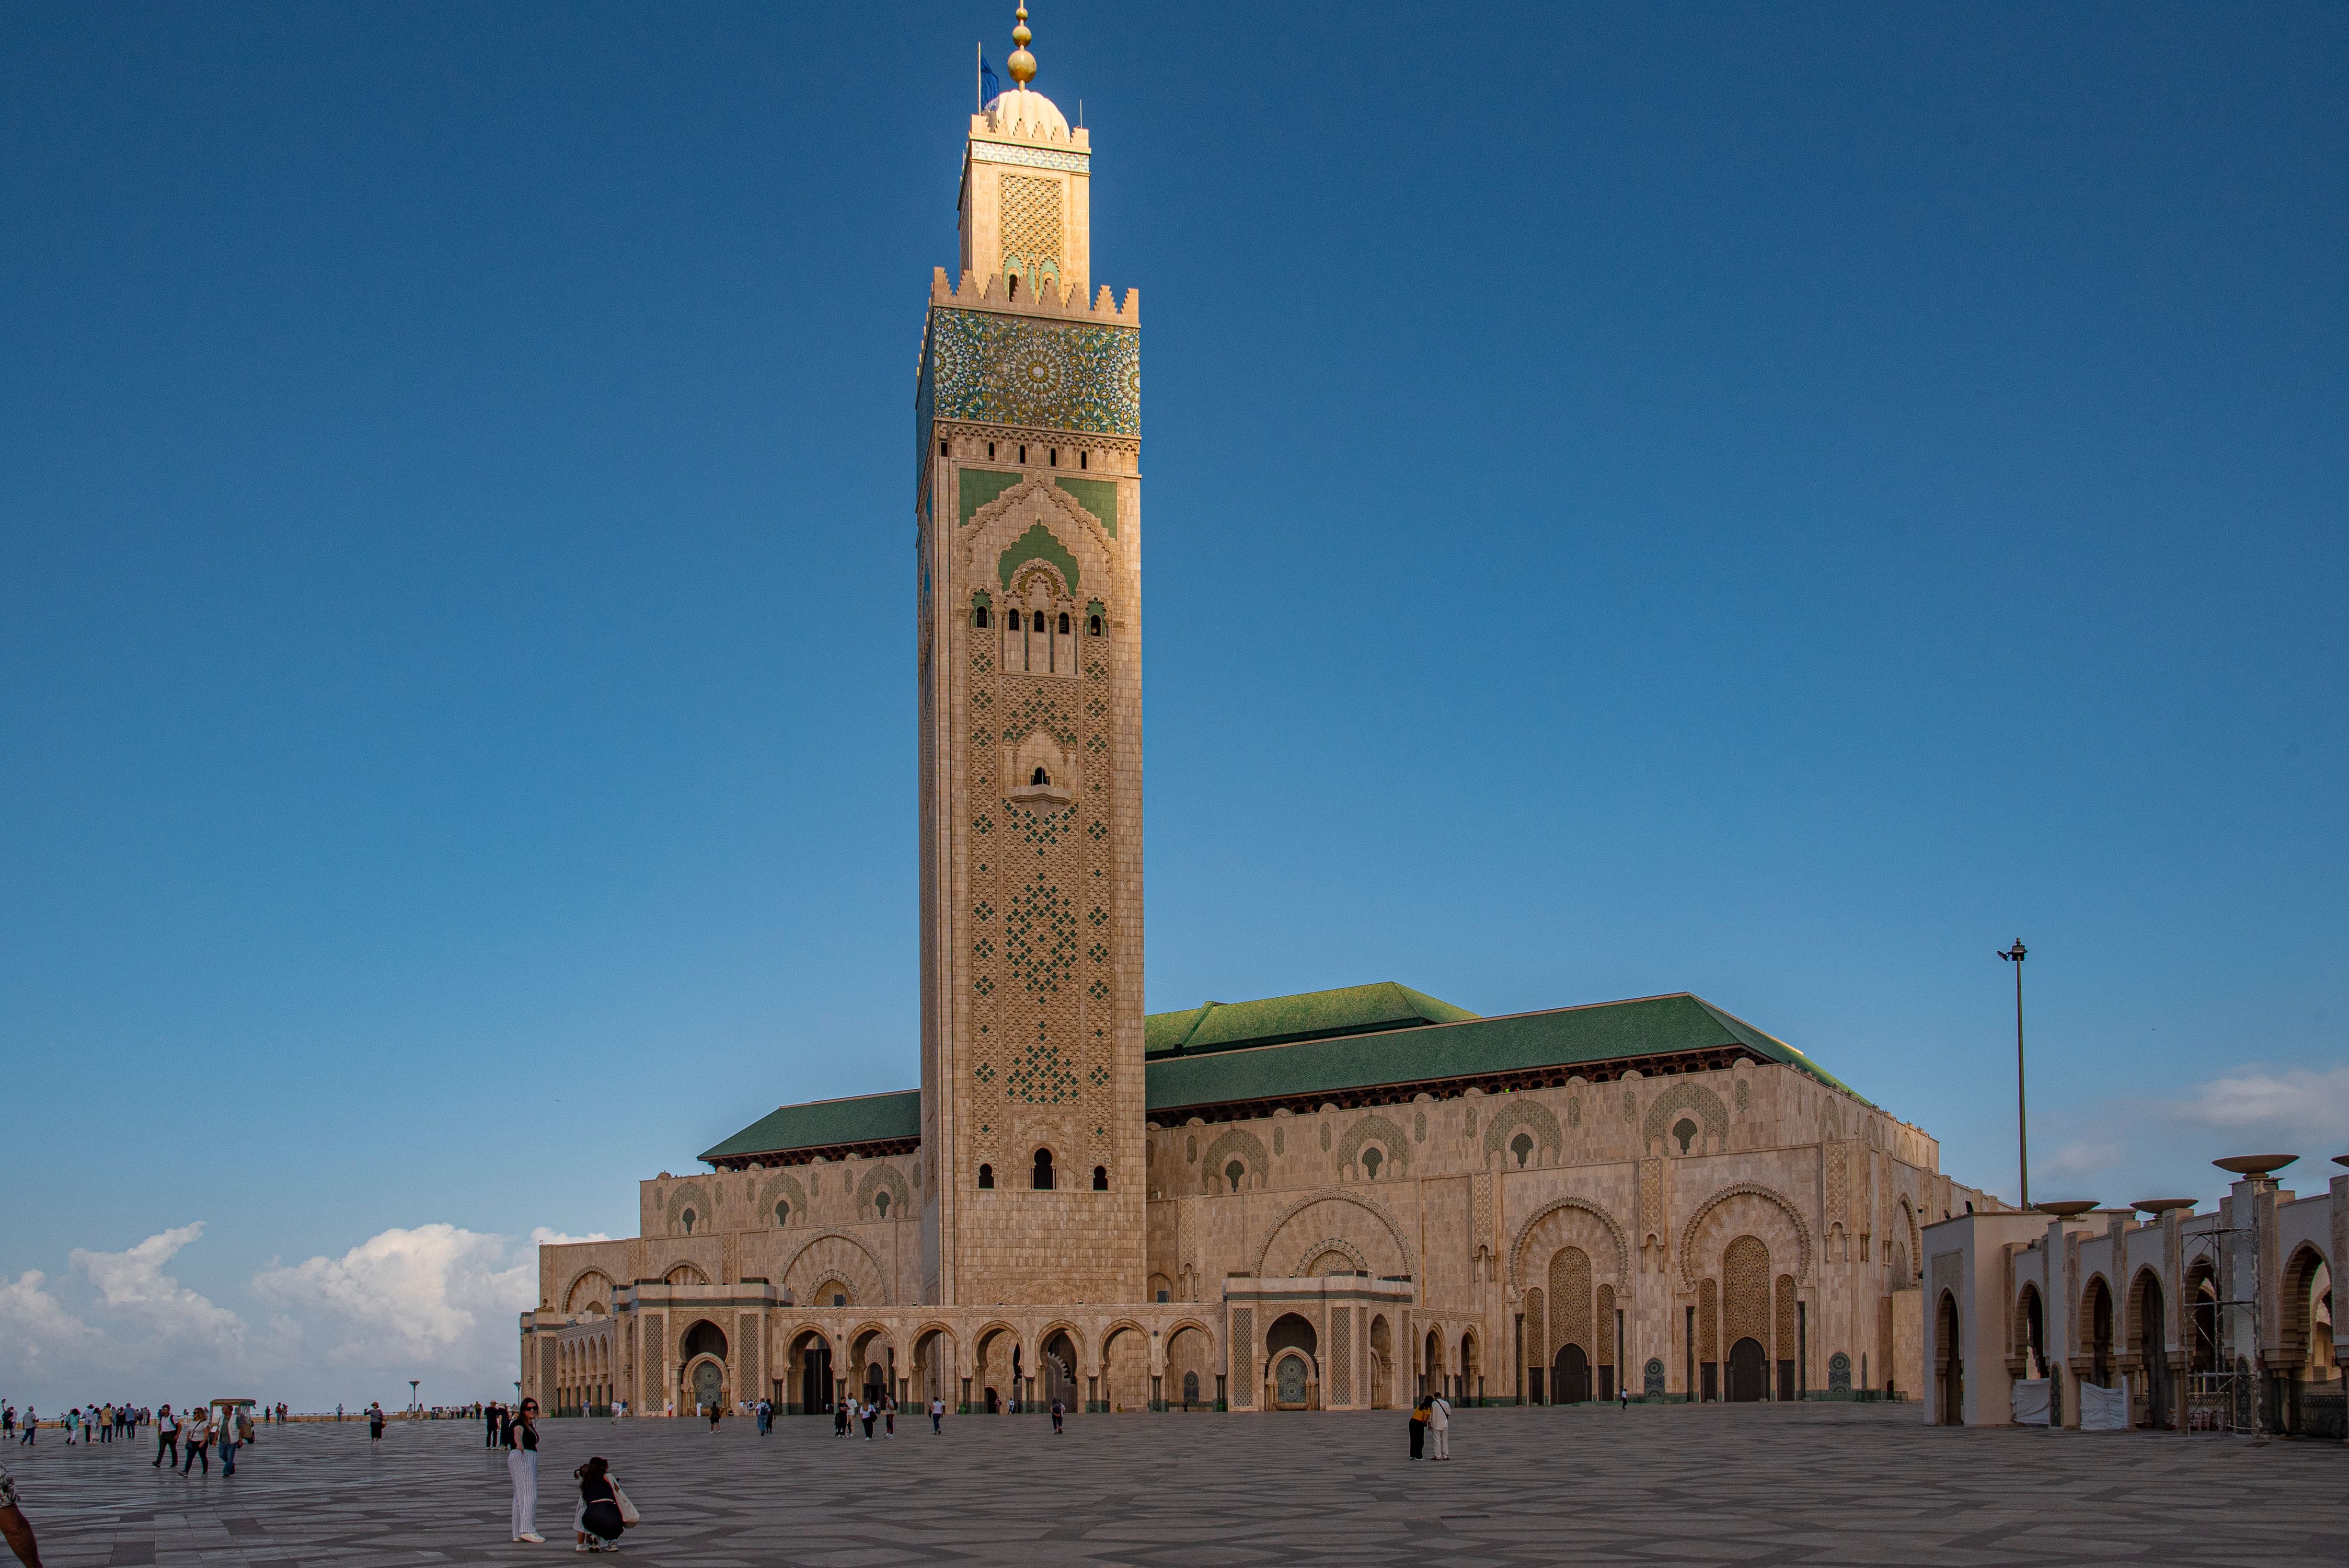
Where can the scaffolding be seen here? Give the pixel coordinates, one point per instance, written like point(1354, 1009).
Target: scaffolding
point(2223, 1387)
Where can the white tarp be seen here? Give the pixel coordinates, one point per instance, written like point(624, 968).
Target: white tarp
point(2031, 1402)
point(2104, 1410)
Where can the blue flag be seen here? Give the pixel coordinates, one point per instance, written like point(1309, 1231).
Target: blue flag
point(989, 90)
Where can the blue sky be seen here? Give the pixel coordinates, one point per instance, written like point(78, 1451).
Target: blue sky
point(1772, 503)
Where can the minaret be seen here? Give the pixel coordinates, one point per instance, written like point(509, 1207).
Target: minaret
point(1028, 510)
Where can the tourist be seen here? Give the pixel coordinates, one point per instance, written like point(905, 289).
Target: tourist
point(167, 1438)
point(195, 1439)
point(888, 1415)
point(338, 1409)
point(73, 1424)
point(375, 1422)
point(597, 1526)
point(31, 1425)
point(1439, 1422)
point(937, 1415)
point(490, 1439)
point(717, 1409)
point(840, 1418)
point(1419, 1427)
point(7, 1421)
point(865, 1411)
point(1059, 1410)
point(13, 1524)
point(230, 1439)
point(521, 1469)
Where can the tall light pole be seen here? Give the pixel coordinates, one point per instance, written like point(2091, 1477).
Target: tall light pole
point(2014, 956)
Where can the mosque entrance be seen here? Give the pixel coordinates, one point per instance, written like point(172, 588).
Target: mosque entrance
point(1060, 1373)
point(1952, 1368)
point(815, 1379)
point(1570, 1377)
point(1748, 1371)
point(1292, 1343)
point(708, 1385)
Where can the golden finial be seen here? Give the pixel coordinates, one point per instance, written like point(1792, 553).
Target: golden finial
point(1022, 65)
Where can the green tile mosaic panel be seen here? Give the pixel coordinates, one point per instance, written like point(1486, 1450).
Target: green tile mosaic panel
point(1014, 370)
point(1097, 497)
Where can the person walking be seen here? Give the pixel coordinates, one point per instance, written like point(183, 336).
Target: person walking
point(888, 1415)
point(31, 1425)
point(521, 1469)
point(375, 1422)
point(14, 1526)
point(1439, 1422)
point(167, 1438)
point(840, 1418)
point(1419, 1427)
point(865, 1415)
point(489, 1424)
point(230, 1439)
point(937, 1415)
point(7, 1421)
point(1059, 1410)
point(73, 1424)
point(195, 1442)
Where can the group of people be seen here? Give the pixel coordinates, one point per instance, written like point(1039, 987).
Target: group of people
point(92, 1423)
point(1430, 1418)
point(185, 1441)
point(865, 1412)
point(603, 1510)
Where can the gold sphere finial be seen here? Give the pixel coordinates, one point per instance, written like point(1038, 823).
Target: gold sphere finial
point(1022, 65)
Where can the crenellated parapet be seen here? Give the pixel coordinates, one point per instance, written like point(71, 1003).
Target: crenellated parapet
point(995, 294)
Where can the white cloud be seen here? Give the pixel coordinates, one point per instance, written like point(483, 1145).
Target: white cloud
point(2294, 1102)
point(435, 1296)
point(35, 1326)
point(543, 1237)
point(134, 1284)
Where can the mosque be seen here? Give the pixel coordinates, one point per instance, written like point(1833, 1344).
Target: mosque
point(1318, 1202)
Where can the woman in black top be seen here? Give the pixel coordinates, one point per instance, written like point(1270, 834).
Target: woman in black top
point(599, 1506)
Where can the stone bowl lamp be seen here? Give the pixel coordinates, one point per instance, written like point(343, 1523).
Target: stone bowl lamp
point(2258, 1167)
point(2068, 1207)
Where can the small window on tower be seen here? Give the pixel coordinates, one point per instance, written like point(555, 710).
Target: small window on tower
point(979, 616)
point(1064, 623)
point(990, 450)
point(1023, 454)
point(1014, 622)
point(942, 448)
point(1012, 291)
point(1054, 457)
point(1092, 625)
point(986, 1178)
point(1039, 777)
point(1101, 1178)
point(1042, 1174)
point(1085, 460)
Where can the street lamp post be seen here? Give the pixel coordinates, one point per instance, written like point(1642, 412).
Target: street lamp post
point(412, 1382)
point(2016, 956)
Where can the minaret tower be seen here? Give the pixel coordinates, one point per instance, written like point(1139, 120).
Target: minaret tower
point(1028, 513)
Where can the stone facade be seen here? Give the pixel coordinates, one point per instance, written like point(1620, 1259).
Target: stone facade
point(1719, 1220)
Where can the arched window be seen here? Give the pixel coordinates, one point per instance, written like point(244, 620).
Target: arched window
point(1084, 458)
point(1013, 623)
point(1685, 1131)
point(979, 618)
point(1042, 1174)
point(1092, 625)
point(1023, 454)
point(990, 450)
point(1233, 1173)
point(1011, 290)
point(942, 448)
point(881, 1204)
point(1522, 1146)
point(1101, 1178)
point(1039, 777)
point(1370, 1158)
point(689, 1217)
point(1064, 623)
point(987, 1177)
point(1054, 457)
point(782, 1212)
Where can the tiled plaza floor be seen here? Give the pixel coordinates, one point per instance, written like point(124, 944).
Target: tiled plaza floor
point(1748, 1485)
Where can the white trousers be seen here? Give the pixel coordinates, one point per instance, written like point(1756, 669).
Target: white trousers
point(522, 1468)
point(1442, 1436)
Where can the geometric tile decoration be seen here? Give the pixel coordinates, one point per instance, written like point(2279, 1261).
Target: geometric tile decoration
point(1014, 370)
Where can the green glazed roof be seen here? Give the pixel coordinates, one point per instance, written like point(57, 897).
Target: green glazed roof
point(1565, 1036)
point(865, 1119)
point(1327, 1042)
point(1309, 1015)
